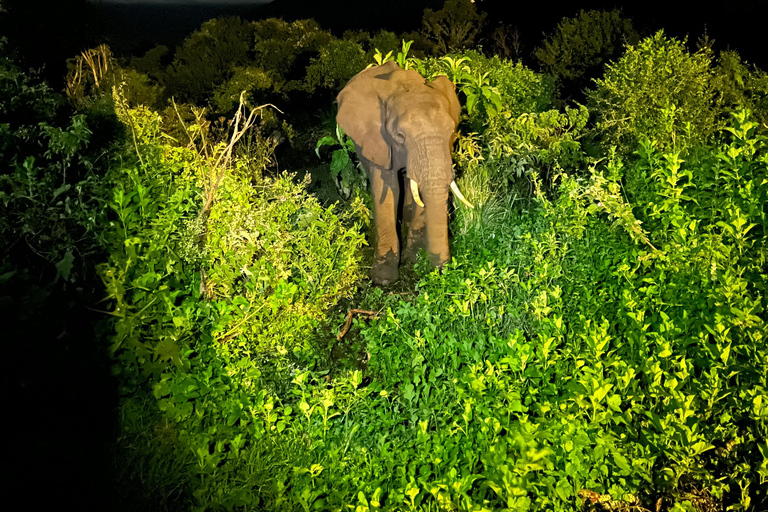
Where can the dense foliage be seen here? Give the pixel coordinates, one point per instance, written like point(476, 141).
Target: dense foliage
point(660, 90)
point(597, 341)
point(50, 183)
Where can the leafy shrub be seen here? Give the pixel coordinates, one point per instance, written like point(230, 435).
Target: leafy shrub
point(490, 83)
point(507, 131)
point(213, 269)
point(140, 89)
point(284, 248)
point(545, 365)
point(580, 47)
point(545, 143)
point(565, 351)
point(349, 178)
point(271, 59)
point(50, 187)
point(739, 87)
point(93, 75)
point(241, 235)
point(384, 41)
point(256, 83)
point(656, 90)
point(592, 343)
point(153, 62)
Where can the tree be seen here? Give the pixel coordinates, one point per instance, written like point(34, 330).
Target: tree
point(338, 61)
point(580, 47)
point(383, 41)
point(453, 27)
point(286, 48)
point(254, 81)
point(208, 58)
point(152, 63)
point(505, 42)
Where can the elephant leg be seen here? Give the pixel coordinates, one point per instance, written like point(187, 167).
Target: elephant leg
point(385, 192)
point(415, 225)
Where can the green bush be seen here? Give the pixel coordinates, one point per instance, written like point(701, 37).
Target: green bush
point(545, 143)
point(520, 89)
point(487, 86)
point(286, 48)
point(657, 90)
point(739, 87)
point(152, 63)
point(559, 355)
point(508, 129)
point(384, 41)
point(545, 365)
point(598, 337)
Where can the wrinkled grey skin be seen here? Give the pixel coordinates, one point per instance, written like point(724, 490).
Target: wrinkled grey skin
point(399, 120)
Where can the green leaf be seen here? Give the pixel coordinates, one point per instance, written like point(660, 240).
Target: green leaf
point(325, 141)
point(64, 188)
point(64, 266)
point(564, 490)
point(339, 162)
point(614, 402)
point(4, 278)
point(471, 102)
point(622, 463)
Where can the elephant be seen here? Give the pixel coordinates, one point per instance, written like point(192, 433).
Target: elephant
point(398, 120)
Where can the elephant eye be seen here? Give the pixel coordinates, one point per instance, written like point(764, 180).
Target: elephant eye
point(399, 137)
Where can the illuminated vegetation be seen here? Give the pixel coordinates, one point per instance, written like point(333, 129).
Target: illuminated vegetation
point(598, 341)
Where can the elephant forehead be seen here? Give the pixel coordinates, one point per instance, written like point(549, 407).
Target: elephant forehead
point(424, 115)
point(419, 102)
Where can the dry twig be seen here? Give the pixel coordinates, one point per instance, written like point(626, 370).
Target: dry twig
point(348, 323)
point(94, 62)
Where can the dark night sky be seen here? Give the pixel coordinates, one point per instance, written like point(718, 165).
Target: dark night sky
point(137, 25)
point(734, 24)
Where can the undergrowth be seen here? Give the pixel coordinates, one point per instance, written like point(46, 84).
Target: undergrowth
point(598, 339)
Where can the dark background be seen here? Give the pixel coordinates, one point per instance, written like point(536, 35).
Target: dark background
point(739, 24)
point(49, 31)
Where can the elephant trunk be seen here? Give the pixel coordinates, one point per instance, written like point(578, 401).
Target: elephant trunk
point(430, 167)
point(436, 205)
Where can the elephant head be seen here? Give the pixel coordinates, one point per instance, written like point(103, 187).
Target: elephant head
point(399, 120)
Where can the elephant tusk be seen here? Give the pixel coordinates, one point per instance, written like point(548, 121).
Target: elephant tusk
point(415, 193)
point(459, 195)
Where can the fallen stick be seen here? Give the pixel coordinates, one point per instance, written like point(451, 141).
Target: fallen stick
point(348, 323)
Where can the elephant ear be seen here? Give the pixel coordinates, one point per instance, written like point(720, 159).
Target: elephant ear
point(361, 116)
point(444, 85)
